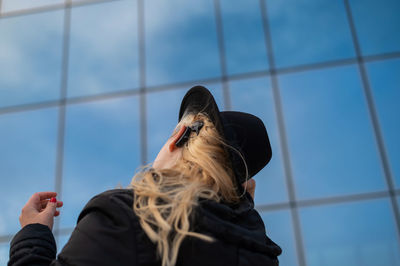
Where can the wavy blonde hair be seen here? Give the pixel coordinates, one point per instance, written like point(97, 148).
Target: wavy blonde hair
point(164, 199)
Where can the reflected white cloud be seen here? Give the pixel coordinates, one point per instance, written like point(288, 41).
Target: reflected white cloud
point(29, 163)
point(309, 31)
point(103, 48)
point(30, 57)
point(14, 5)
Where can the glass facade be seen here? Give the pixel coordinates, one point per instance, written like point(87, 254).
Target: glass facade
point(90, 90)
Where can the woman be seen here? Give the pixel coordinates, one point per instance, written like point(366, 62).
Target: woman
point(188, 209)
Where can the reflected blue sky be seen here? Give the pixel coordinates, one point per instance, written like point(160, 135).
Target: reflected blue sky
point(181, 41)
point(30, 58)
point(329, 133)
point(377, 25)
point(309, 31)
point(332, 146)
point(103, 48)
point(385, 83)
point(14, 5)
point(4, 251)
point(361, 233)
point(28, 166)
point(243, 36)
point(101, 151)
point(278, 225)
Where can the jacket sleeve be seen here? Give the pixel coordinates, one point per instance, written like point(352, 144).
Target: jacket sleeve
point(32, 245)
point(104, 235)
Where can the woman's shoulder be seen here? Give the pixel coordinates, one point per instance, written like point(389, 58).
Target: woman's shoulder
point(114, 201)
point(118, 192)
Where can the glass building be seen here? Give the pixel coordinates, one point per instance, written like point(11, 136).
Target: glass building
point(90, 90)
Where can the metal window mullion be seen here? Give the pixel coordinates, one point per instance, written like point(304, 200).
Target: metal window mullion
point(62, 108)
point(374, 119)
point(142, 82)
point(170, 86)
point(283, 139)
point(222, 54)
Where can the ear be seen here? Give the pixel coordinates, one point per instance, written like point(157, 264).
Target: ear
point(176, 138)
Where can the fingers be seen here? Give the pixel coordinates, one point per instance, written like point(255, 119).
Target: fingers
point(43, 204)
point(36, 198)
point(51, 207)
point(46, 195)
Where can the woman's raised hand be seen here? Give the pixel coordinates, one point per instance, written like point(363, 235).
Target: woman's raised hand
point(40, 208)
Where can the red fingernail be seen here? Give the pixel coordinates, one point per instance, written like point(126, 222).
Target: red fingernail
point(53, 200)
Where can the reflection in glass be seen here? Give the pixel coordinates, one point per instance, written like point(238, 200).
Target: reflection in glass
point(62, 240)
point(181, 41)
point(330, 136)
point(243, 36)
point(30, 58)
point(279, 229)
point(357, 234)
point(377, 25)
point(103, 49)
point(309, 31)
point(28, 165)
point(101, 151)
point(255, 96)
point(385, 82)
point(14, 5)
point(162, 115)
point(4, 253)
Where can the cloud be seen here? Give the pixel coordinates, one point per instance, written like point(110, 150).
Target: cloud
point(13, 5)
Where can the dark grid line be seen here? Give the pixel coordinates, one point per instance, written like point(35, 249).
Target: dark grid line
point(53, 7)
point(34, 10)
point(62, 108)
point(283, 138)
point(327, 200)
point(142, 82)
point(177, 85)
point(374, 120)
point(222, 54)
point(238, 76)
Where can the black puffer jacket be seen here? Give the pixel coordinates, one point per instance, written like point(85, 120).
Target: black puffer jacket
point(108, 233)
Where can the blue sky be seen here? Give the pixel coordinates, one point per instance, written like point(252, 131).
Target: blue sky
point(330, 136)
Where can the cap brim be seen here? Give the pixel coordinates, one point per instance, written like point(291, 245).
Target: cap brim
point(199, 100)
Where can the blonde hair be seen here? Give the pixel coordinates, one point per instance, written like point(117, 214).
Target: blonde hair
point(164, 199)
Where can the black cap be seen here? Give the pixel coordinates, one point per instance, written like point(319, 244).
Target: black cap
point(245, 132)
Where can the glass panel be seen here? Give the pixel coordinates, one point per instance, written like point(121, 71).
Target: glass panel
point(385, 82)
point(255, 96)
point(377, 25)
point(279, 228)
point(4, 253)
point(13, 5)
point(309, 31)
point(30, 58)
point(28, 163)
point(356, 234)
point(103, 49)
point(181, 41)
point(62, 240)
point(102, 151)
point(330, 136)
point(244, 36)
point(166, 105)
